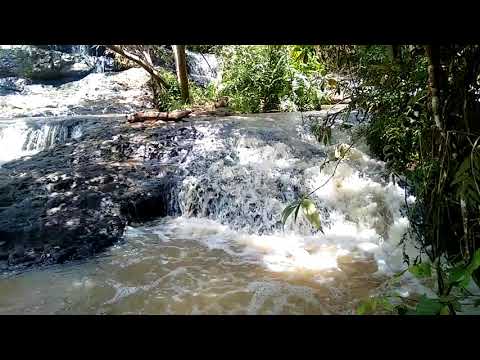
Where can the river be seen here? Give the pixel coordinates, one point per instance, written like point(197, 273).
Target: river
point(222, 250)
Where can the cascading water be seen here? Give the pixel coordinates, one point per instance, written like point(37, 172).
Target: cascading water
point(81, 49)
point(202, 68)
point(22, 138)
point(94, 94)
point(223, 250)
point(243, 174)
point(91, 54)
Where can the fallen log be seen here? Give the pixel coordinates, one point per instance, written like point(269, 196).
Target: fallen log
point(217, 112)
point(158, 115)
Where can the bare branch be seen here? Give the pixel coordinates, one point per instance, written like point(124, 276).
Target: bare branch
point(146, 64)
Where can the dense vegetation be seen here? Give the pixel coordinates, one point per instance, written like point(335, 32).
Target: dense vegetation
point(253, 78)
point(266, 78)
point(423, 106)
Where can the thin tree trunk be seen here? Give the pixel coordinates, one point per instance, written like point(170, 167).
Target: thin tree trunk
point(181, 65)
point(433, 74)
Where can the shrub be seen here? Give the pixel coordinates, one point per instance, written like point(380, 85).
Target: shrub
point(167, 99)
point(268, 77)
point(170, 98)
point(255, 78)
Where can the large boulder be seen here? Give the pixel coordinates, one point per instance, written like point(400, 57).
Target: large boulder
point(12, 85)
point(40, 64)
point(75, 199)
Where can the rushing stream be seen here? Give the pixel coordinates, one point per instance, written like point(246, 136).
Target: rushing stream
point(223, 249)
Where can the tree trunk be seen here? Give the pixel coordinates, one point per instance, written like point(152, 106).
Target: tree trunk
point(433, 80)
point(181, 65)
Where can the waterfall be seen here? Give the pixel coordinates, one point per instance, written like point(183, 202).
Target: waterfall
point(242, 174)
point(84, 50)
point(90, 53)
point(24, 138)
point(203, 68)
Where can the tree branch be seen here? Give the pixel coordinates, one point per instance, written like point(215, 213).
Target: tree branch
point(147, 64)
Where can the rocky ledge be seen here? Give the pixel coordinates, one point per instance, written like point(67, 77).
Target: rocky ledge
point(40, 64)
point(74, 200)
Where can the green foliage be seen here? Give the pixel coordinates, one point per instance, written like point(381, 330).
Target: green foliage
point(304, 59)
point(457, 278)
point(308, 81)
point(307, 92)
point(461, 274)
point(170, 98)
point(337, 58)
point(421, 270)
point(373, 305)
point(427, 306)
point(395, 99)
point(205, 49)
point(269, 77)
point(295, 206)
point(167, 99)
point(467, 179)
point(309, 211)
point(203, 95)
point(255, 78)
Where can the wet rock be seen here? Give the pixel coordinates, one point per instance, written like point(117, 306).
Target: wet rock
point(75, 199)
point(12, 85)
point(40, 64)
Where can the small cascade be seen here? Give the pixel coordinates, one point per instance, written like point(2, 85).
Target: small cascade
point(203, 68)
point(243, 173)
point(223, 248)
point(24, 138)
point(90, 53)
point(84, 50)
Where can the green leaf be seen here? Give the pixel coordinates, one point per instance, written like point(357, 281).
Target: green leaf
point(296, 212)
point(476, 303)
point(367, 306)
point(311, 213)
point(462, 171)
point(461, 275)
point(387, 305)
point(445, 310)
point(428, 306)
point(421, 270)
point(458, 275)
point(475, 264)
point(288, 211)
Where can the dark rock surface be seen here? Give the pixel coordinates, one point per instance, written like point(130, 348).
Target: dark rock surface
point(74, 200)
point(41, 64)
point(12, 85)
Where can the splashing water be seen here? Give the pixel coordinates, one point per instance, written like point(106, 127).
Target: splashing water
point(202, 68)
point(224, 251)
point(247, 173)
point(25, 138)
point(97, 93)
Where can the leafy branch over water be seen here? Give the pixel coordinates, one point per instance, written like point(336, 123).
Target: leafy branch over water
point(309, 209)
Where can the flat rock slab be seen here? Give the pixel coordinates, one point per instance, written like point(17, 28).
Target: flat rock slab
point(74, 200)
